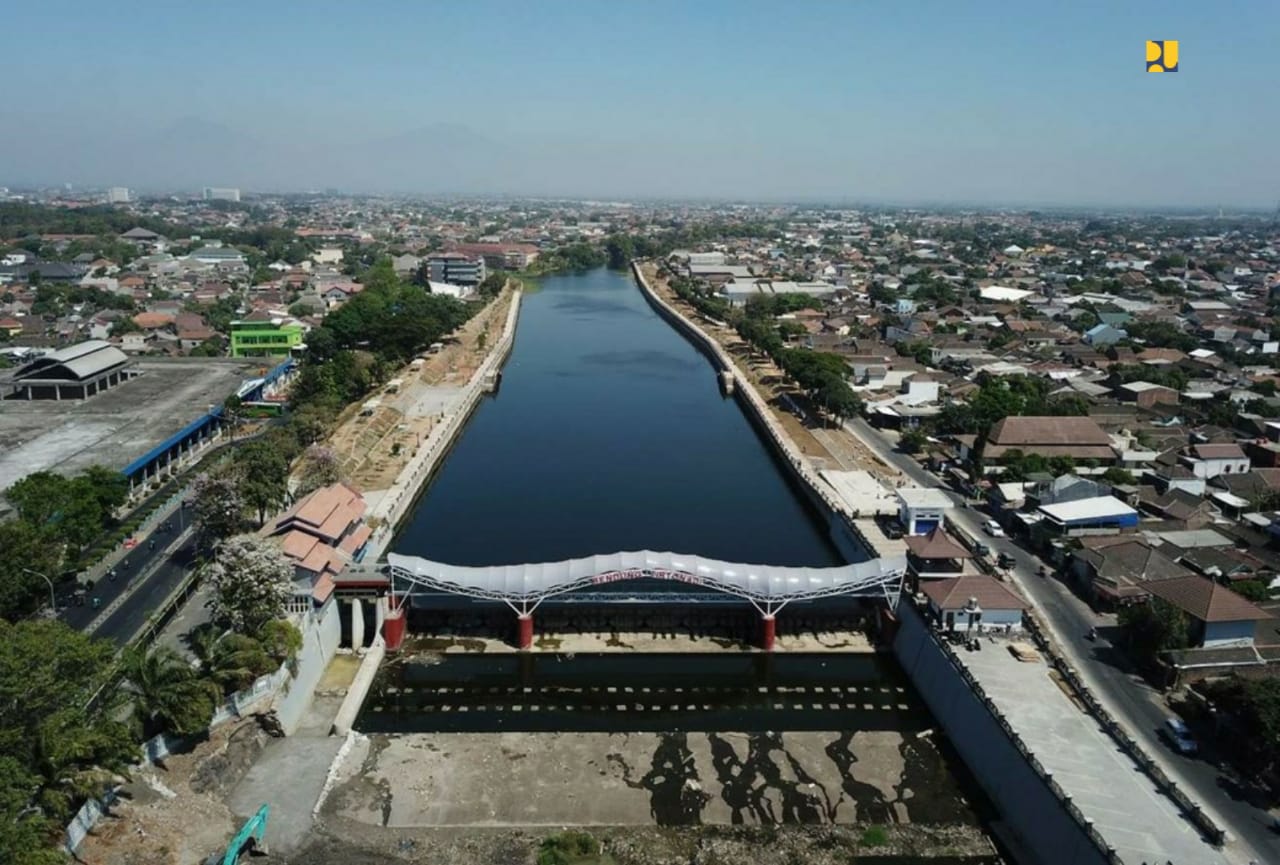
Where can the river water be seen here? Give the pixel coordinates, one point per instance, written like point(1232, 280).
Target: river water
point(609, 433)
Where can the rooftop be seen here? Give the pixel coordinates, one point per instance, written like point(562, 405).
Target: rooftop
point(988, 592)
point(119, 424)
point(1205, 600)
point(1096, 507)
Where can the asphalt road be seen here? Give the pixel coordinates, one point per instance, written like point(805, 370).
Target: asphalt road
point(139, 588)
point(1134, 703)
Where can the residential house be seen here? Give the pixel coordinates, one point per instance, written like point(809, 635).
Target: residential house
point(321, 533)
point(1218, 616)
point(974, 603)
point(1110, 569)
point(1146, 394)
point(1079, 438)
point(1210, 460)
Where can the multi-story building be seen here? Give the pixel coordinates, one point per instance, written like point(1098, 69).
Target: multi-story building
point(118, 195)
point(221, 193)
point(265, 337)
point(504, 256)
point(455, 268)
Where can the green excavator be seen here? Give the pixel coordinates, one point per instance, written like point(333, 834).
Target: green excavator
point(249, 841)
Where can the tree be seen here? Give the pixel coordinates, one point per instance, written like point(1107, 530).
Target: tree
point(320, 468)
point(1154, 627)
point(491, 286)
point(263, 477)
point(251, 582)
point(230, 661)
point(233, 412)
point(913, 440)
point(1252, 590)
point(1116, 475)
point(217, 508)
point(26, 547)
point(168, 693)
point(65, 747)
point(310, 423)
point(620, 250)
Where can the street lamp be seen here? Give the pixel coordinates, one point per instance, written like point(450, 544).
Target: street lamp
point(53, 601)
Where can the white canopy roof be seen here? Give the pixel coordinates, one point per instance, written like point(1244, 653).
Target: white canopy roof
point(754, 582)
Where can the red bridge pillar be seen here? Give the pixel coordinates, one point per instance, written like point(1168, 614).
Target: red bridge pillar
point(393, 627)
point(768, 632)
point(524, 631)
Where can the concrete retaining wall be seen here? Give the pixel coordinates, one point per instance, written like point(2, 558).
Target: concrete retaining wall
point(397, 501)
point(321, 631)
point(1047, 824)
point(818, 491)
point(360, 685)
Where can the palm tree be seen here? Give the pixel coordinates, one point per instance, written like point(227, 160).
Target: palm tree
point(169, 692)
point(231, 661)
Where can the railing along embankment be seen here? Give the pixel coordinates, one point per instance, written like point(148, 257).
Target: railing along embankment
point(747, 395)
point(391, 508)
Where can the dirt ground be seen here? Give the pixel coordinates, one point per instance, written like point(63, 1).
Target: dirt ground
point(827, 446)
point(174, 814)
point(375, 448)
point(353, 844)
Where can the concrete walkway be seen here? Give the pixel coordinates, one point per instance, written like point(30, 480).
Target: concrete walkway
point(289, 776)
point(1127, 809)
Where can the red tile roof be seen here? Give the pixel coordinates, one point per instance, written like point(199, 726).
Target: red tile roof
point(1205, 600)
point(990, 593)
point(937, 545)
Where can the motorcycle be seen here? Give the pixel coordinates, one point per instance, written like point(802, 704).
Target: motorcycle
point(1092, 635)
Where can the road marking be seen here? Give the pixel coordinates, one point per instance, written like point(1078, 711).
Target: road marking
point(132, 587)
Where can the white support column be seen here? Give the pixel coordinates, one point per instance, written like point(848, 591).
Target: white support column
point(357, 624)
point(379, 615)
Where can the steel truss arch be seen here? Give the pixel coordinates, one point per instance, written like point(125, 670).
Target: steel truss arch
point(766, 587)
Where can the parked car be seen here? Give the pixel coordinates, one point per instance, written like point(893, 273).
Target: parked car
point(1179, 737)
point(992, 528)
point(1005, 560)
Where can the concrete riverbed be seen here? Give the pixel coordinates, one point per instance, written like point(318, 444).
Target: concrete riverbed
point(664, 779)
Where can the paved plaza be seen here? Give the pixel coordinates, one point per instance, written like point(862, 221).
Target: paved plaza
point(1126, 808)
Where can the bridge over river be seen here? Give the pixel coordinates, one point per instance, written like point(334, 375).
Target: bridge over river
point(768, 588)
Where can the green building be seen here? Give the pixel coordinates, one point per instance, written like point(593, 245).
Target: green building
point(268, 338)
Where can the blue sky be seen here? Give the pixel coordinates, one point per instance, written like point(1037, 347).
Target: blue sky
point(826, 99)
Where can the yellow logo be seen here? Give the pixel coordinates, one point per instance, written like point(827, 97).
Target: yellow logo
point(1162, 55)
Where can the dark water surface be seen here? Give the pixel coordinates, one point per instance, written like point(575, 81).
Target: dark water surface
point(621, 692)
point(609, 433)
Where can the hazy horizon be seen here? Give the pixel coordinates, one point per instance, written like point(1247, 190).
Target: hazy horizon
point(1001, 104)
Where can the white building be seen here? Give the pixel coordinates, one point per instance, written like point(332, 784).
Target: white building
point(1210, 460)
point(118, 195)
point(221, 193)
point(921, 510)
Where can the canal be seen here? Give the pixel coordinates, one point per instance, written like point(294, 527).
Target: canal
point(609, 433)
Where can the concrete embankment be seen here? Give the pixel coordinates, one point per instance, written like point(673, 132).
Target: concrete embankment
point(397, 501)
point(1032, 803)
point(845, 532)
point(392, 507)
